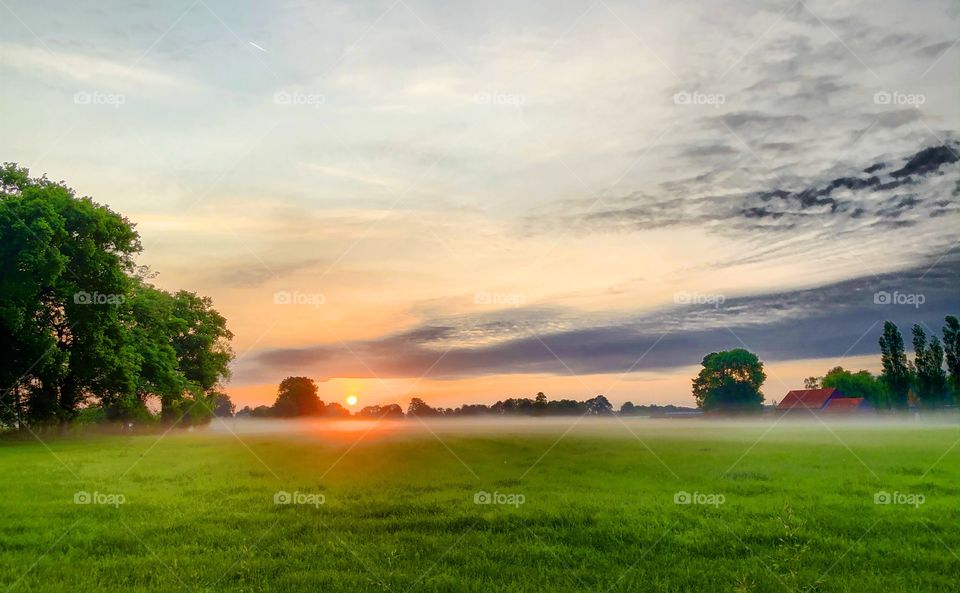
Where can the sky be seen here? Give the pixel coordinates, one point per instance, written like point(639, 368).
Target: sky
point(471, 201)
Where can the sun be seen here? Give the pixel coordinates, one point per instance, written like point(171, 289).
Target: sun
point(352, 400)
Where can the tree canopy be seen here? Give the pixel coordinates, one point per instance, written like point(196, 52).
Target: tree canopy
point(730, 381)
point(297, 396)
point(79, 324)
point(859, 384)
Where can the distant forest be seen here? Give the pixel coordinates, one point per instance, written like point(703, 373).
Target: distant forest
point(298, 397)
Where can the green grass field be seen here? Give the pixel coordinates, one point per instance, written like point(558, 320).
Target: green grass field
point(792, 508)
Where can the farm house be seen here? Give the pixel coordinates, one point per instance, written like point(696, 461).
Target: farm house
point(828, 400)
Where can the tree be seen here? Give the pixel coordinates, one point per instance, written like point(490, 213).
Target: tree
point(929, 378)
point(202, 341)
point(262, 412)
point(392, 411)
point(79, 325)
point(297, 396)
point(540, 402)
point(599, 406)
point(418, 407)
point(223, 406)
point(151, 324)
point(388, 411)
point(951, 348)
point(65, 265)
point(627, 409)
point(730, 381)
point(859, 384)
point(896, 372)
point(812, 383)
point(334, 410)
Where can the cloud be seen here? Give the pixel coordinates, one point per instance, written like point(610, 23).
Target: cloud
point(910, 191)
point(82, 68)
point(835, 320)
point(253, 273)
point(756, 120)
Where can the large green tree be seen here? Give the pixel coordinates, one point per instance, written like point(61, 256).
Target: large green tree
point(730, 381)
point(80, 326)
point(65, 265)
point(896, 371)
point(859, 384)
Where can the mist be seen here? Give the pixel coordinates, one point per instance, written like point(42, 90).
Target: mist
point(746, 429)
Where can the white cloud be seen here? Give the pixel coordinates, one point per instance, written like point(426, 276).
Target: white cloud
point(92, 71)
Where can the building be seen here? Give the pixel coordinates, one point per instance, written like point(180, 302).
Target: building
point(802, 400)
point(828, 400)
point(847, 405)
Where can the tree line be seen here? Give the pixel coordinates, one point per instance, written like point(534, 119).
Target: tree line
point(731, 381)
point(298, 397)
point(84, 335)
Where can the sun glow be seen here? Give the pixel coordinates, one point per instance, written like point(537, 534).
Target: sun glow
point(352, 400)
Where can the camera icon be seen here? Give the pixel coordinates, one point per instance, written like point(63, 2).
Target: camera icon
point(482, 497)
point(282, 98)
point(82, 298)
point(482, 298)
point(881, 297)
point(882, 497)
point(682, 98)
point(882, 98)
point(82, 497)
point(282, 497)
point(683, 298)
point(682, 497)
point(82, 98)
point(282, 297)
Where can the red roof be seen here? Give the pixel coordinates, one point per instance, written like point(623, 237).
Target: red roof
point(846, 404)
point(811, 399)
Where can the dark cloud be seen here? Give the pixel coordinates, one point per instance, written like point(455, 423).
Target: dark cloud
point(895, 119)
point(709, 151)
point(836, 320)
point(758, 120)
point(871, 193)
point(934, 50)
point(779, 147)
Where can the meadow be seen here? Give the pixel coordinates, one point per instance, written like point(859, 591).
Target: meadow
point(541, 505)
